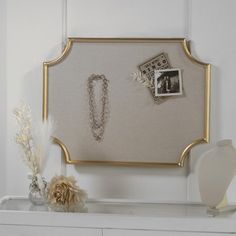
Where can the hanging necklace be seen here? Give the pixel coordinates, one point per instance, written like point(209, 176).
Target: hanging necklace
point(97, 123)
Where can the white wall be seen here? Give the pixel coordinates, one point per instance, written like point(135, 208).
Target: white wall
point(133, 18)
point(34, 34)
point(2, 96)
point(214, 36)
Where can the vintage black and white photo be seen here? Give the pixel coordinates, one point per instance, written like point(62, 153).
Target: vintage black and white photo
point(168, 82)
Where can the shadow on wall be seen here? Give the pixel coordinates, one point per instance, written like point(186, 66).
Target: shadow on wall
point(150, 184)
point(215, 118)
point(216, 99)
point(216, 105)
point(32, 84)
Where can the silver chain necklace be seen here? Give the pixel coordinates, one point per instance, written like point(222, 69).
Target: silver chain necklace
point(97, 123)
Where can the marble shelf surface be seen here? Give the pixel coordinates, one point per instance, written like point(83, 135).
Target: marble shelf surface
point(120, 214)
point(123, 207)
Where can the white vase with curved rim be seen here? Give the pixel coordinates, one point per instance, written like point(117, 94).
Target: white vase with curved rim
point(216, 171)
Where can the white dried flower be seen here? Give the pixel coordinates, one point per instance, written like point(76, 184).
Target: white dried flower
point(34, 144)
point(24, 137)
point(142, 79)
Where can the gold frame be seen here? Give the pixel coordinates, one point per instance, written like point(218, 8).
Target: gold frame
point(186, 47)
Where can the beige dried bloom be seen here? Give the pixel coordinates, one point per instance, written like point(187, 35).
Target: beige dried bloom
point(65, 195)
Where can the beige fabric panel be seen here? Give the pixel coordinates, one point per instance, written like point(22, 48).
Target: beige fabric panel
point(138, 129)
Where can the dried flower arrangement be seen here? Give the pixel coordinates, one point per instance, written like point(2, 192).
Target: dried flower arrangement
point(34, 142)
point(64, 195)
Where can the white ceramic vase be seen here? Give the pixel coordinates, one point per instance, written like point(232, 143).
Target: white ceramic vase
point(216, 171)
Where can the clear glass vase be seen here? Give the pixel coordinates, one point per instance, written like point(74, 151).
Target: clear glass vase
point(37, 192)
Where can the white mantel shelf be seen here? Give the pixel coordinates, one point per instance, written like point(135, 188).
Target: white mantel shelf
point(122, 215)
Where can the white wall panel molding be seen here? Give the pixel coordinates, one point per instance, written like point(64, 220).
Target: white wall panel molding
point(188, 19)
point(2, 97)
point(64, 23)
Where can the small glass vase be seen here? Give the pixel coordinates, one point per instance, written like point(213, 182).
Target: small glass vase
point(37, 194)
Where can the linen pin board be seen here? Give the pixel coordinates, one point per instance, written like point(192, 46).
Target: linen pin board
point(128, 101)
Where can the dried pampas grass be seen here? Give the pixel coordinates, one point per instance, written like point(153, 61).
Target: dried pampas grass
point(43, 139)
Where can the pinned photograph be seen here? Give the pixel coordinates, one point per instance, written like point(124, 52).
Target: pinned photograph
point(168, 82)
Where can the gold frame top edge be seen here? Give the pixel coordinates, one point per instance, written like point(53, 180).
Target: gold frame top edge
point(125, 40)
